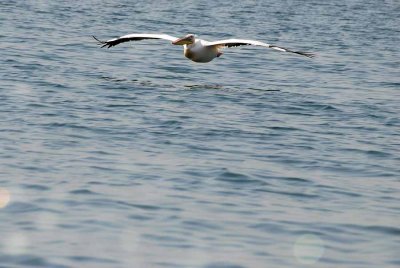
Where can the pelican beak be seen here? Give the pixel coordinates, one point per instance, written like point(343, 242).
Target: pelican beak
point(187, 40)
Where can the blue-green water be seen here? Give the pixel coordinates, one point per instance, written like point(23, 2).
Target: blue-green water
point(137, 157)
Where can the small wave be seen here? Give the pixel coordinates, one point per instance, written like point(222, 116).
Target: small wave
point(27, 261)
point(223, 265)
point(205, 86)
point(23, 207)
point(292, 194)
point(237, 178)
point(284, 128)
point(372, 153)
point(320, 106)
point(200, 224)
point(388, 230)
point(82, 192)
point(66, 125)
point(295, 180)
point(85, 259)
point(37, 187)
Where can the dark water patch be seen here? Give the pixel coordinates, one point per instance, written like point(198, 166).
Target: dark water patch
point(299, 113)
point(12, 130)
point(395, 262)
point(387, 230)
point(346, 193)
point(262, 254)
point(101, 223)
point(23, 207)
point(30, 168)
point(66, 125)
point(89, 259)
point(116, 204)
point(167, 238)
point(227, 193)
point(37, 105)
point(202, 147)
point(198, 173)
point(122, 106)
point(169, 264)
point(237, 178)
point(101, 152)
point(49, 114)
point(148, 207)
point(264, 89)
point(205, 86)
point(378, 153)
point(103, 168)
point(126, 98)
point(392, 121)
point(371, 153)
point(223, 265)
point(269, 227)
point(25, 260)
point(138, 217)
point(297, 195)
point(169, 123)
point(69, 226)
point(340, 234)
point(82, 192)
point(320, 106)
point(114, 184)
point(352, 262)
point(295, 180)
point(27, 226)
point(282, 128)
point(201, 224)
point(37, 187)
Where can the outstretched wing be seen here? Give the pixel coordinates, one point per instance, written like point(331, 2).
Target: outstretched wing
point(242, 42)
point(133, 37)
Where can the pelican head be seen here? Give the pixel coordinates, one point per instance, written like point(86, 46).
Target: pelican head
point(187, 40)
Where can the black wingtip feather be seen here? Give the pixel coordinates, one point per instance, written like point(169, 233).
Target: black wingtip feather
point(102, 43)
point(307, 54)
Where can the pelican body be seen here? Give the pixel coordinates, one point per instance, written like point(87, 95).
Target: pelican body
point(200, 52)
point(197, 50)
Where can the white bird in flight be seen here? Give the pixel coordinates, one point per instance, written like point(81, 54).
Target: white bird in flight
point(195, 49)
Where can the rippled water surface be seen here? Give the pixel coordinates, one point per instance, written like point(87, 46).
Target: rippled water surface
point(137, 157)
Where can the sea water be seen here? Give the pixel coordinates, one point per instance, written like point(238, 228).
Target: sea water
point(135, 156)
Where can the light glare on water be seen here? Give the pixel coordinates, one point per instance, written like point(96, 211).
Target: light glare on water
point(4, 197)
point(308, 249)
